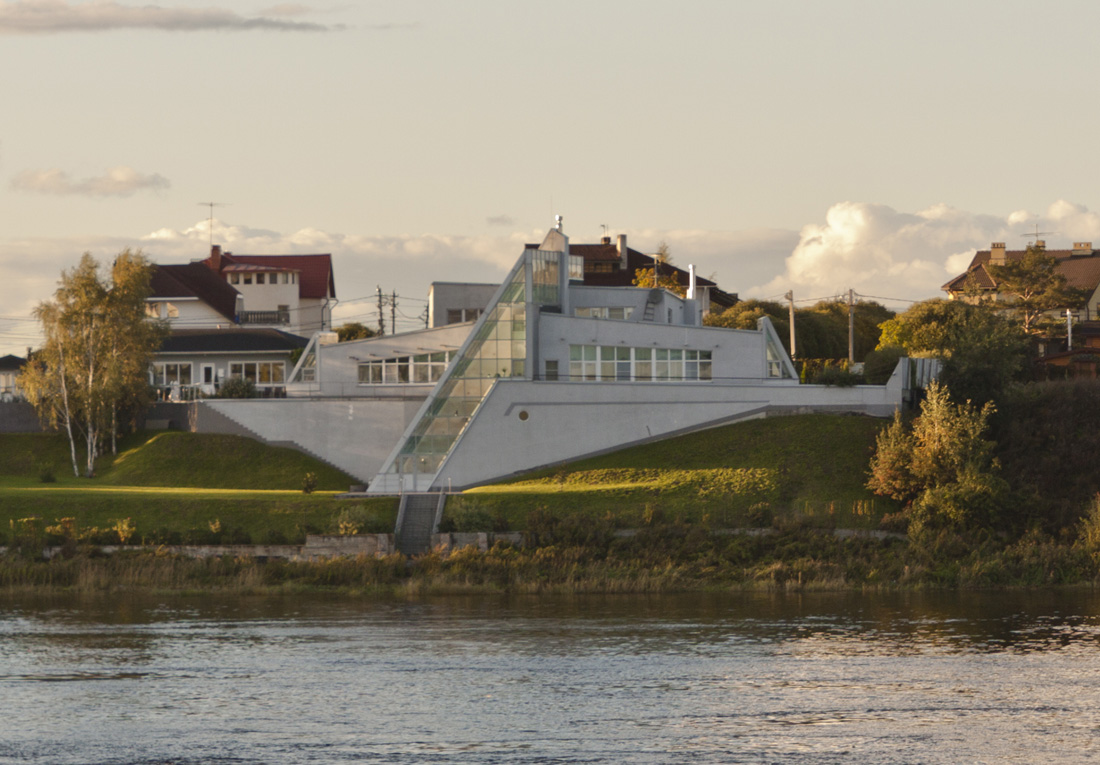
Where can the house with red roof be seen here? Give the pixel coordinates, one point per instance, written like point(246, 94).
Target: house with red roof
point(294, 293)
point(237, 316)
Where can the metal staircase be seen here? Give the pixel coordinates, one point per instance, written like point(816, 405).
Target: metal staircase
point(417, 519)
point(651, 305)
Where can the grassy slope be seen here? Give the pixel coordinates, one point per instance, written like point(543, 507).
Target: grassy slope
point(812, 465)
point(180, 483)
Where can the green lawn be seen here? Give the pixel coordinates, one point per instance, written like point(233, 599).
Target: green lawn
point(810, 467)
point(180, 487)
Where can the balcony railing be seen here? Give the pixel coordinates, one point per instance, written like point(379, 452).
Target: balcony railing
point(264, 317)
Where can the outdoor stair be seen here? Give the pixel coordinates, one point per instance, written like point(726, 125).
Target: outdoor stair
point(417, 519)
point(651, 305)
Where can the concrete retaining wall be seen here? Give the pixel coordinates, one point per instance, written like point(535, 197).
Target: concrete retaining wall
point(18, 417)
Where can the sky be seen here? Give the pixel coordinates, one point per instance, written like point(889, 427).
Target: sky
point(806, 146)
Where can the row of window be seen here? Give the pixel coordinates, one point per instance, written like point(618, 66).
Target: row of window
point(422, 368)
point(621, 313)
point(260, 373)
point(459, 315)
point(609, 363)
point(286, 277)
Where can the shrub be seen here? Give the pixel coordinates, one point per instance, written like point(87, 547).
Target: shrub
point(880, 364)
point(309, 483)
point(237, 387)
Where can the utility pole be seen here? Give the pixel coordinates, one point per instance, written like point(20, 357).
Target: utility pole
point(851, 327)
point(1069, 330)
point(381, 313)
point(393, 313)
point(790, 300)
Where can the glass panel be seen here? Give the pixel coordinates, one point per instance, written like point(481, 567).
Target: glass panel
point(497, 349)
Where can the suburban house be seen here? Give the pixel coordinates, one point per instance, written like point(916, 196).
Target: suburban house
point(606, 264)
point(1080, 266)
point(294, 293)
point(615, 264)
point(10, 367)
point(237, 316)
point(553, 369)
point(195, 362)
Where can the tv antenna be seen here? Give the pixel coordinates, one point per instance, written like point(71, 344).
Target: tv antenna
point(212, 205)
point(1037, 233)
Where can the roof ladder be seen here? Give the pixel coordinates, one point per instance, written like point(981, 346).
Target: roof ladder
point(651, 302)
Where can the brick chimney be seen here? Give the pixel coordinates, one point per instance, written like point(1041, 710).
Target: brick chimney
point(215, 259)
point(997, 254)
point(620, 245)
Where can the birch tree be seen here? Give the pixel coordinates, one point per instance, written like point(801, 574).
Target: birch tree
point(92, 368)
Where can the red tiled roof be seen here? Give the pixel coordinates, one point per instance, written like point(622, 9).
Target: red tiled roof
point(194, 280)
point(315, 271)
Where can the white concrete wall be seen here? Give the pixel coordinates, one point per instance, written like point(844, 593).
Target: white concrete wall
point(193, 314)
point(267, 296)
point(522, 425)
point(355, 436)
point(453, 295)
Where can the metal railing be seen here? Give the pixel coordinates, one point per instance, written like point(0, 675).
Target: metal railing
point(264, 317)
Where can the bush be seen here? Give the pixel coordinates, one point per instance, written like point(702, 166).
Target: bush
point(880, 364)
point(309, 483)
point(237, 387)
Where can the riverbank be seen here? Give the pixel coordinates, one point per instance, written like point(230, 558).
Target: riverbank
point(659, 559)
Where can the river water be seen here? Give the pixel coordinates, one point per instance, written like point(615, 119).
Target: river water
point(895, 678)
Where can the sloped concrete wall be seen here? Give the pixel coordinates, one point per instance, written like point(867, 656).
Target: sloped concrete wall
point(522, 426)
point(354, 435)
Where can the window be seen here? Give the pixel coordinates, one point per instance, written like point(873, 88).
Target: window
point(234, 278)
point(774, 358)
point(608, 363)
point(459, 315)
point(171, 373)
point(153, 310)
point(259, 373)
point(248, 278)
point(401, 370)
point(551, 369)
point(619, 313)
point(259, 278)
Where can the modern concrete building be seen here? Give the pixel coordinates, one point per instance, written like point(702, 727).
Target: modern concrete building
point(553, 370)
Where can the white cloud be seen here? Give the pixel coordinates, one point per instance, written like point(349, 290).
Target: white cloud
point(877, 250)
point(874, 249)
point(119, 181)
point(53, 16)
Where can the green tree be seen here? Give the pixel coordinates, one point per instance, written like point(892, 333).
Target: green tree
point(982, 351)
point(92, 368)
point(354, 330)
point(666, 277)
point(1034, 285)
point(821, 330)
point(942, 466)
